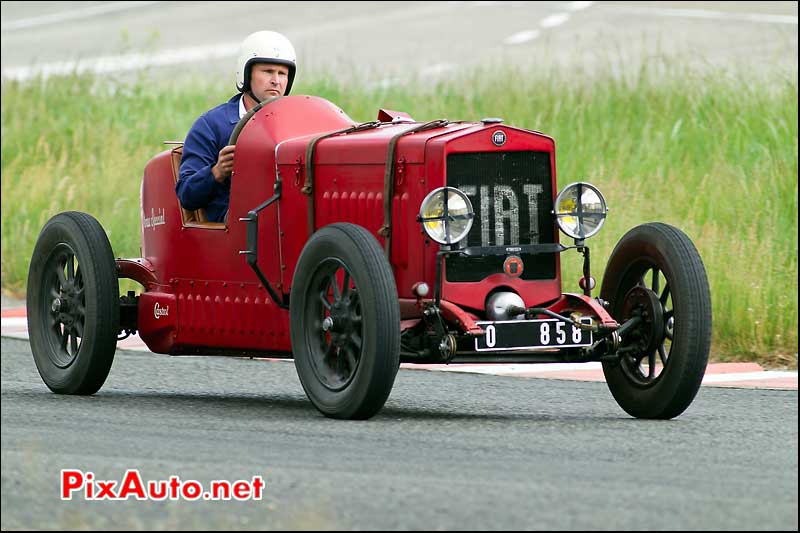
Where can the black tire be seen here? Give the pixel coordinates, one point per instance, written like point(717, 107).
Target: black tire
point(662, 261)
point(346, 365)
point(73, 304)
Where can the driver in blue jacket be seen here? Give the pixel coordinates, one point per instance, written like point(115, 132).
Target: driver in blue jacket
point(265, 69)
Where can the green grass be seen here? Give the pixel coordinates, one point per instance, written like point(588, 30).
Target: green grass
point(714, 154)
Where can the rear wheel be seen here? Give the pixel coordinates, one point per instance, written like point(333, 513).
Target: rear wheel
point(656, 276)
point(345, 322)
point(73, 304)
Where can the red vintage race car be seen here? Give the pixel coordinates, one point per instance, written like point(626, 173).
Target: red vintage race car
point(354, 247)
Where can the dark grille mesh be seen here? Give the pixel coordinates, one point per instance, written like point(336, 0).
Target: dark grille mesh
point(512, 197)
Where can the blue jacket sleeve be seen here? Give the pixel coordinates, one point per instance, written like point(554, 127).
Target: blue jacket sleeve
point(196, 185)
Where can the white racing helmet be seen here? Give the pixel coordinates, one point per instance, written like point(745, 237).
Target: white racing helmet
point(264, 47)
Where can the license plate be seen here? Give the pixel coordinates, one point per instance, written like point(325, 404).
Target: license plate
point(531, 334)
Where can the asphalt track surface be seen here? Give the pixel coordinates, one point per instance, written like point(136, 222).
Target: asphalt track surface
point(448, 451)
point(394, 42)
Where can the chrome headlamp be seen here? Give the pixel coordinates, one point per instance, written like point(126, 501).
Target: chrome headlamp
point(580, 210)
point(446, 222)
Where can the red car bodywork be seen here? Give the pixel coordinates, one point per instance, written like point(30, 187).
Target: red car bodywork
point(201, 293)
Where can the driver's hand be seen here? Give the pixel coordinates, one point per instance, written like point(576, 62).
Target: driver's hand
point(224, 165)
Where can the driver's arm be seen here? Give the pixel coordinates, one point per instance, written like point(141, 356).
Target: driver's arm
point(196, 185)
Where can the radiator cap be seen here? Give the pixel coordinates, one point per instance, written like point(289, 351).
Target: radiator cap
point(491, 120)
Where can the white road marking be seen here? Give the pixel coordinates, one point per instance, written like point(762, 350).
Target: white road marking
point(550, 21)
point(554, 20)
point(54, 18)
point(126, 62)
point(748, 376)
point(571, 6)
point(123, 62)
point(542, 369)
point(703, 14)
point(510, 369)
point(579, 6)
point(521, 37)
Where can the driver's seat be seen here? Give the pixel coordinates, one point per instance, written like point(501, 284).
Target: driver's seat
point(198, 215)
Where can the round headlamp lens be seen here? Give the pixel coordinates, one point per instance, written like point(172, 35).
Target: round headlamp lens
point(446, 222)
point(580, 210)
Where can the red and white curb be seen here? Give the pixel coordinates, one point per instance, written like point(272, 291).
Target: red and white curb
point(742, 375)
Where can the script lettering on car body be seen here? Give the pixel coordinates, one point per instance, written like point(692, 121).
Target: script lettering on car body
point(159, 311)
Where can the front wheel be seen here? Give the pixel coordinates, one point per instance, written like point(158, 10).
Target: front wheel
point(345, 322)
point(655, 275)
point(73, 304)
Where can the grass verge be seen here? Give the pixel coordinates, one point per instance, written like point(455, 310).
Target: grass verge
point(713, 153)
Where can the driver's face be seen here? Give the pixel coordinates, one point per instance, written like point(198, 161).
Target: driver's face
point(268, 80)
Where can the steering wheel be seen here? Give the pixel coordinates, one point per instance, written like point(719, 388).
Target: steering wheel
point(242, 121)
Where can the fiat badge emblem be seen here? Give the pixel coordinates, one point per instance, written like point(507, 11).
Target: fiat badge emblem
point(499, 138)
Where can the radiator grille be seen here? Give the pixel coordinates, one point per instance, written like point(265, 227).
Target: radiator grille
point(511, 194)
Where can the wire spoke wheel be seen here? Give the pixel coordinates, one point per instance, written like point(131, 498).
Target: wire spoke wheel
point(336, 316)
point(345, 322)
point(647, 348)
point(655, 275)
point(63, 305)
point(73, 304)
